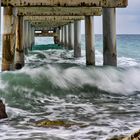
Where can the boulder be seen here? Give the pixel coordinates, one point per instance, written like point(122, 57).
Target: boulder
point(2, 111)
point(133, 136)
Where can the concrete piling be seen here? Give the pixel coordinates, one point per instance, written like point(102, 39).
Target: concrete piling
point(56, 36)
point(89, 41)
point(0, 19)
point(29, 36)
point(26, 45)
point(19, 54)
point(77, 38)
point(61, 40)
point(70, 36)
point(32, 37)
point(61, 35)
point(9, 39)
point(65, 37)
point(109, 37)
point(20, 33)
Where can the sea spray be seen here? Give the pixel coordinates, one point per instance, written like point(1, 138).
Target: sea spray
point(109, 79)
point(54, 85)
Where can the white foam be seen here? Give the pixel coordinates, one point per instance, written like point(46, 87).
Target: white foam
point(107, 79)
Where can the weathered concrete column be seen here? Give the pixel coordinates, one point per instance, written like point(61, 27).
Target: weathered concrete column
point(9, 35)
point(70, 36)
point(29, 36)
point(19, 43)
point(32, 36)
point(62, 35)
point(65, 37)
point(77, 38)
point(0, 21)
point(56, 36)
point(109, 37)
point(89, 40)
point(26, 36)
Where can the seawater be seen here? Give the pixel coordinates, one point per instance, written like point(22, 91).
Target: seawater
point(54, 85)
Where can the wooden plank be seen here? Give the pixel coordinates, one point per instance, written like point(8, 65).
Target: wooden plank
point(67, 3)
point(59, 11)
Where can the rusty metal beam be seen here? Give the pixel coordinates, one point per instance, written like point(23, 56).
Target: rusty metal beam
point(66, 3)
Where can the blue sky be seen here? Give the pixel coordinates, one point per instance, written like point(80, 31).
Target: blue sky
point(128, 19)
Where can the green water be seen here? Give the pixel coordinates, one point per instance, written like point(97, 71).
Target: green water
point(47, 47)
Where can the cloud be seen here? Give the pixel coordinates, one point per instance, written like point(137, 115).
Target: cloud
point(127, 19)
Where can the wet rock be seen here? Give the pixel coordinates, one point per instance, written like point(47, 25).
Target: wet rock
point(18, 66)
point(133, 136)
point(2, 111)
point(49, 123)
point(58, 123)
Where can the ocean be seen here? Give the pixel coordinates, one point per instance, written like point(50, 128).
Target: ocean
point(99, 102)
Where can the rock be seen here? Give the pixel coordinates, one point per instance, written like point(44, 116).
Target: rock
point(18, 66)
point(116, 138)
point(58, 123)
point(133, 136)
point(2, 111)
point(49, 123)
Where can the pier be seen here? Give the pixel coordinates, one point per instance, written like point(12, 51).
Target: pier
point(24, 20)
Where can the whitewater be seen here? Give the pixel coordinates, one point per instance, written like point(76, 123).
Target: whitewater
point(54, 85)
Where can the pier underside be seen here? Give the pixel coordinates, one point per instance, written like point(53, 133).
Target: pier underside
point(24, 20)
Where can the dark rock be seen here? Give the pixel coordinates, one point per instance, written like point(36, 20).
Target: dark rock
point(18, 66)
point(2, 111)
point(133, 136)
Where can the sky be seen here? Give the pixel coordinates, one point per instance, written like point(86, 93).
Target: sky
point(128, 19)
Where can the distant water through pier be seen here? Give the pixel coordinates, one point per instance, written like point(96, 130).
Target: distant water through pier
point(101, 102)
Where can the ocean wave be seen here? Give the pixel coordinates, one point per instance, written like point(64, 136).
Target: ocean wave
point(109, 79)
